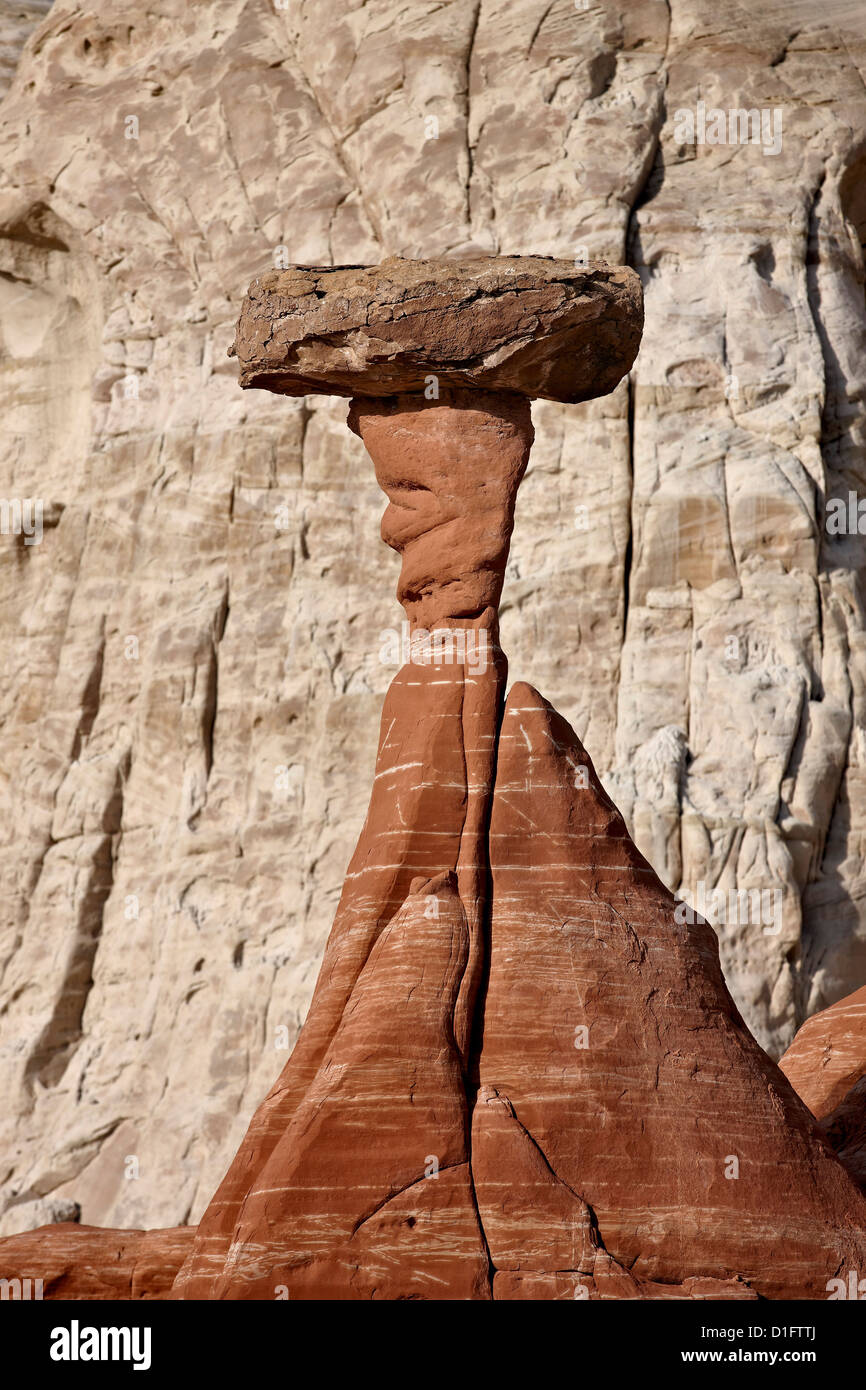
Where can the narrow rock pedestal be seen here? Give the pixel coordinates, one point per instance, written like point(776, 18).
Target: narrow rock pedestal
point(354, 1178)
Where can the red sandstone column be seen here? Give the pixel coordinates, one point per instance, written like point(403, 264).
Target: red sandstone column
point(319, 1161)
point(451, 470)
point(354, 1179)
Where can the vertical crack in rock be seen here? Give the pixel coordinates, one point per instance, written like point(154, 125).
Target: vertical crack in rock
point(647, 184)
point(90, 697)
point(56, 1043)
point(211, 699)
point(628, 556)
point(836, 232)
point(470, 148)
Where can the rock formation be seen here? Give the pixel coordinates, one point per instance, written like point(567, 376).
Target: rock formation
point(614, 1057)
point(17, 20)
point(522, 1075)
point(87, 1263)
point(193, 670)
point(450, 465)
point(546, 329)
point(826, 1065)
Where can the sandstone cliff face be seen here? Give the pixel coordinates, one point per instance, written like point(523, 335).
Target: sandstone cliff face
point(192, 679)
point(17, 22)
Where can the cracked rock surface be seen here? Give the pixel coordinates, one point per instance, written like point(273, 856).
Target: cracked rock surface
point(539, 327)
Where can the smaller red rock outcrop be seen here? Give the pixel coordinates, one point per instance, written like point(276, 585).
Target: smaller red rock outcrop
point(89, 1262)
point(828, 1055)
point(826, 1065)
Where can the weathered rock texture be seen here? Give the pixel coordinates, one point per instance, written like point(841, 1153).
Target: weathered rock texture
point(451, 470)
point(17, 22)
point(542, 328)
point(826, 1065)
point(191, 683)
point(84, 1262)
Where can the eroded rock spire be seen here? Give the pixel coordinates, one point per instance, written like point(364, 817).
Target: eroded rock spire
point(356, 1168)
